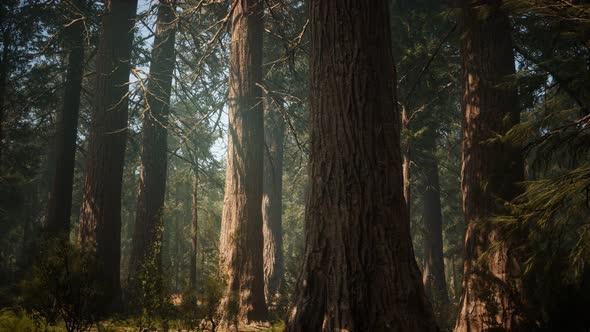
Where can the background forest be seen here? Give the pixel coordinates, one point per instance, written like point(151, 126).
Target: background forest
point(162, 164)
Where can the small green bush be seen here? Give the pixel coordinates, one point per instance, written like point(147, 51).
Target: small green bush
point(19, 320)
point(63, 286)
point(149, 297)
point(200, 310)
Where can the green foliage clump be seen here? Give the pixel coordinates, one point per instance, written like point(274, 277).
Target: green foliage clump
point(149, 294)
point(63, 286)
point(19, 320)
point(200, 310)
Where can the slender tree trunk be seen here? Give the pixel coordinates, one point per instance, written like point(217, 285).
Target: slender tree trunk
point(454, 282)
point(274, 130)
point(241, 240)
point(100, 214)
point(59, 205)
point(457, 268)
point(490, 170)
point(406, 158)
point(30, 218)
point(433, 275)
point(201, 271)
point(359, 271)
point(4, 74)
point(194, 233)
point(179, 232)
point(147, 236)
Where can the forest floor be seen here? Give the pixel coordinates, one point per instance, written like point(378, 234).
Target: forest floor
point(18, 322)
point(120, 328)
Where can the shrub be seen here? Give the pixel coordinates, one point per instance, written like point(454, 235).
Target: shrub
point(19, 320)
point(200, 310)
point(63, 286)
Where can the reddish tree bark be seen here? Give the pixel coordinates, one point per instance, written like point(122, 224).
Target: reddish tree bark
point(100, 215)
point(147, 236)
point(490, 169)
point(433, 275)
point(359, 271)
point(241, 240)
point(406, 159)
point(274, 130)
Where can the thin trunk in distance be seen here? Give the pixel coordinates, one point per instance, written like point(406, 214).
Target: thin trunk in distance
point(433, 274)
point(406, 158)
point(194, 232)
point(4, 75)
point(274, 130)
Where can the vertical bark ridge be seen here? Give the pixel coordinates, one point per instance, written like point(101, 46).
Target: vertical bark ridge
point(433, 275)
point(147, 235)
point(406, 159)
point(59, 205)
point(241, 239)
point(359, 271)
point(274, 130)
point(490, 170)
point(100, 214)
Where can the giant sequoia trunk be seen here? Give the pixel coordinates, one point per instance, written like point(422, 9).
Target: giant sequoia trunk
point(433, 275)
point(359, 271)
point(59, 205)
point(100, 214)
point(490, 170)
point(274, 129)
point(241, 240)
point(147, 236)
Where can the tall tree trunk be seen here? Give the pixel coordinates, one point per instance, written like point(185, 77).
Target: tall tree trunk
point(59, 205)
point(30, 217)
point(241, 240)
point(4, 75)
point(194, 233)
point(452, 287)
point(100, 214)
point(179, 238)
point(490, 170)
point(433, 275)
point(272, 208)
point(359, 271)
point(147, 235)
point(406, 158)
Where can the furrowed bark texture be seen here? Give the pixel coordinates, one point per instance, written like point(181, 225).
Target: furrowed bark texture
point(241, 240)
point(359, 271)
point(274, 129)
point(147, 235)
point(433, 275)
point(59, 205)
point(100, 215)
point(490, 170)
